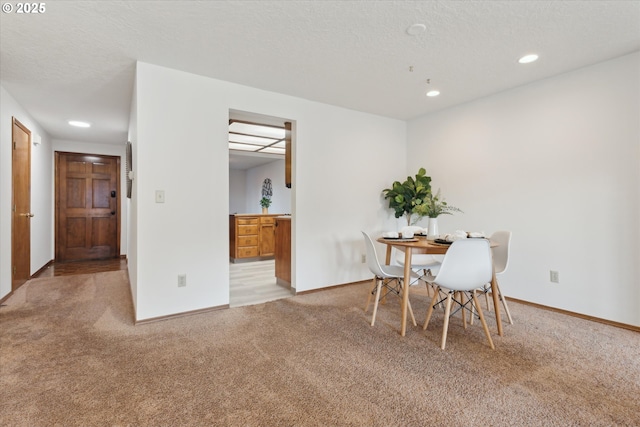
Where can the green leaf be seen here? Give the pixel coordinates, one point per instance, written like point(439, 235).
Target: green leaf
point(405, 197)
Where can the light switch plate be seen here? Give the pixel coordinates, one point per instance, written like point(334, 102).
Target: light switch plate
point(159, 196)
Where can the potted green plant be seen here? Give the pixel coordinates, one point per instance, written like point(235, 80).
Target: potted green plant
point(267, 192)
point(265, 202)
point(405, 197)
point(432, 207)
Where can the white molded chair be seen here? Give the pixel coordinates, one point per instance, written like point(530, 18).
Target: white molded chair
point(500, 263)
point(465, 268)
point(389, 277)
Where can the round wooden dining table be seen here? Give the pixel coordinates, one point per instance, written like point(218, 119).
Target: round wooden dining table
point(420, 245)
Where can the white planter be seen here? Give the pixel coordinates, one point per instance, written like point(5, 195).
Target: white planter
point(432, 230)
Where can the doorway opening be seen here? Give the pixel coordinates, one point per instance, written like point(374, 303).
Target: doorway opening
point(260, 157)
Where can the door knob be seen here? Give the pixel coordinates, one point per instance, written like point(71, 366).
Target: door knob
point(28, 215)
point(113, 212)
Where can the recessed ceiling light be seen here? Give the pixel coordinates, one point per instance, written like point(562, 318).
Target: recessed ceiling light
point(79, 124)
point(528, 58)
point(433, 93)
point(416, 29)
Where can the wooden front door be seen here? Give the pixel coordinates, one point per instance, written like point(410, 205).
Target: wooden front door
point(21, 205)
point(87, 206)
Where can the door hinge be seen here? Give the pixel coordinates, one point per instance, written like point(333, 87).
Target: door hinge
point(14, 145)
point(14, 270)
point(14, 208)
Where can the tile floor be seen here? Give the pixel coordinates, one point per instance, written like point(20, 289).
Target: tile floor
point(254, 283)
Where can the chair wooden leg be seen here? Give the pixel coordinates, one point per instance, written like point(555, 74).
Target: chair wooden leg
point(464, 315)
point(484, 322)
point(445, 327)
point(426, 284)
point(504, 304)
point(430, 310)
point(375, 283)
point(413, 319)
point(440, 305)
point(375, 304)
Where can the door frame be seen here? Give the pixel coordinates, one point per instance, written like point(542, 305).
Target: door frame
point(56, 197)
point(290, 126)
point(16, 122)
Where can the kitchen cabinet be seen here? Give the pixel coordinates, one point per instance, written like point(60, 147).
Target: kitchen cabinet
point(251, 237)
point(283, 250)
point(267, 236)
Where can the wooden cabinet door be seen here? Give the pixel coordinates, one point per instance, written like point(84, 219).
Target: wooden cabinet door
point(283, 250)
point(87, 206)
point(267, 239)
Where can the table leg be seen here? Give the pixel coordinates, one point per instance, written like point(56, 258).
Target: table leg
point(388, 258)
point(405, 288)
point(496, 301)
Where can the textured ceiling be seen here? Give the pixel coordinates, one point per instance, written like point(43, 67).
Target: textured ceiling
point(77, 59)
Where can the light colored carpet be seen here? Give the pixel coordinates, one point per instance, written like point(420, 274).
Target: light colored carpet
point(71, 356)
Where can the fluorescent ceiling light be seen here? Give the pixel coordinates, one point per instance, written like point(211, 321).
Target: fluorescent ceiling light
point(246, 136)
point(273, 150)
point(243, 147)
point(257, 130)
point(256, 148)
point(250, 139)
point(528, 58)
point(433, 93)
point(79, 124)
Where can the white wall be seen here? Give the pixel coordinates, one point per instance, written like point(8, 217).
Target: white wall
point(117, 150)
point(42, 201)
point(132, 203)
point(41, 196)
point(237, 191)
point(245, 189)
point(182, 127)
point(281, 197)
point(557, 162)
